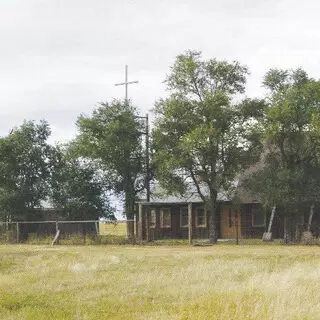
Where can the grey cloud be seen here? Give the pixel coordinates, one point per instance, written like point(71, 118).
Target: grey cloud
point(61, 57)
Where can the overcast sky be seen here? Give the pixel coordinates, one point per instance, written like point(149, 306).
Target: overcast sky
point(60, 57)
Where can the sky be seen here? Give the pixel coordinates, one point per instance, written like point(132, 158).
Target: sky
point(59, 58)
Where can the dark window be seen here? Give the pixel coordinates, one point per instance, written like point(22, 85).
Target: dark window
point(258, 217)
point(201, 220)
point(230, 218)
point(184, 219)
point(165, 218)
point(153, 220)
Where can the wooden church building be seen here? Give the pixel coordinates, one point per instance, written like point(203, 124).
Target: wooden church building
point(169, 217)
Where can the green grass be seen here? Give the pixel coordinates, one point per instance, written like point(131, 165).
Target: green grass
point(159, 282)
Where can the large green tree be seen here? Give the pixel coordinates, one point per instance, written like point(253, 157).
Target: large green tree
point(78, 188)
point(290, 173)
point(27, 163)
point(112, 136)
point(201, 137)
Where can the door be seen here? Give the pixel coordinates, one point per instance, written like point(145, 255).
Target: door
point(229, 223)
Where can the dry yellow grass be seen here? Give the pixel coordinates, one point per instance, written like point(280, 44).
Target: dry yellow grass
point(132, 282)
point(116, 228)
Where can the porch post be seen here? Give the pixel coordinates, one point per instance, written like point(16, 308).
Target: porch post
point(140, 222)
point(147, 215)
point(237, 226)
point(190, 222)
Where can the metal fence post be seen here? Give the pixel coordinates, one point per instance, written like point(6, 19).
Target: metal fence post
point(18, 232)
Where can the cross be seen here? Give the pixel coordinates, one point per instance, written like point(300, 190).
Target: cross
point(126, 83)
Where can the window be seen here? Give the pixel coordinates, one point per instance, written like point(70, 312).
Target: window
point(258, 217)
point(165, 218)
point(153, 217)
point(184, 218)
point(201, 218)
point(230, 218)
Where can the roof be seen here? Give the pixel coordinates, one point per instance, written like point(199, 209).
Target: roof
point(239, 192)
point(159, 196)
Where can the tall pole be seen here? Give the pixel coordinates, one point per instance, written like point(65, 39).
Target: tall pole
point(147, 159)
point(147, 155)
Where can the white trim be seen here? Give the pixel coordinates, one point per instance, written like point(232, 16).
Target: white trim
point(153, 213)
point(181, 212)
point(161, 218)
point(205, 217)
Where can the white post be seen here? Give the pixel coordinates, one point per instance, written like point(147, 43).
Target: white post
point(271, 218)
point(310, 217)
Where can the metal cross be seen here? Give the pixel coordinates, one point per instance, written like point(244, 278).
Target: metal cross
point(126, 83)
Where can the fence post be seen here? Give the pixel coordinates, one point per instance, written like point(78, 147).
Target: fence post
point(190, 222)
point(18, 231)
point(147, 224)
point(55, 239)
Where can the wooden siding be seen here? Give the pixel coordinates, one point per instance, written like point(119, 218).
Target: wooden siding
point(246, 228)
point(175, 231)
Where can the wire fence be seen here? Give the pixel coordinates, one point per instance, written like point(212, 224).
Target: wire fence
point(116, 232)
point(88, 231)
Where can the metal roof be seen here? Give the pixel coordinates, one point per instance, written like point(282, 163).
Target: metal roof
point(159, 196)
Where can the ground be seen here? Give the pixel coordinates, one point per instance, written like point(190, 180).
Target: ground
point(159, 282)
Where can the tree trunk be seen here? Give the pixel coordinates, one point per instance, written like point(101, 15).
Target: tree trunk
point(213, 235)
point(147, 215)
point(139, 235)
point(130, 230)
point(129, 206)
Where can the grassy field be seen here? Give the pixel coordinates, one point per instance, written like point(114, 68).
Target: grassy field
point(176, 282)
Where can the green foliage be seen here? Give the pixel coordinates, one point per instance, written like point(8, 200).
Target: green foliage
point(277, 80)
point(200, 135)
point(290, 174)
point(192, 76)
point(78, 189)
point(27, 163)
point(113, 137)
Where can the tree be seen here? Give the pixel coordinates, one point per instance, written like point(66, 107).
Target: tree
point(78, 188)
point(27, 163)
point(200, 137)
point(113, 137)
point(290, 175)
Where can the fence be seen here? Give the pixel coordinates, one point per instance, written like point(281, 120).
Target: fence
point(115, 232)
point(77, 231)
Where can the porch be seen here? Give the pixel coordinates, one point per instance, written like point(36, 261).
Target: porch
point(191, 221)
